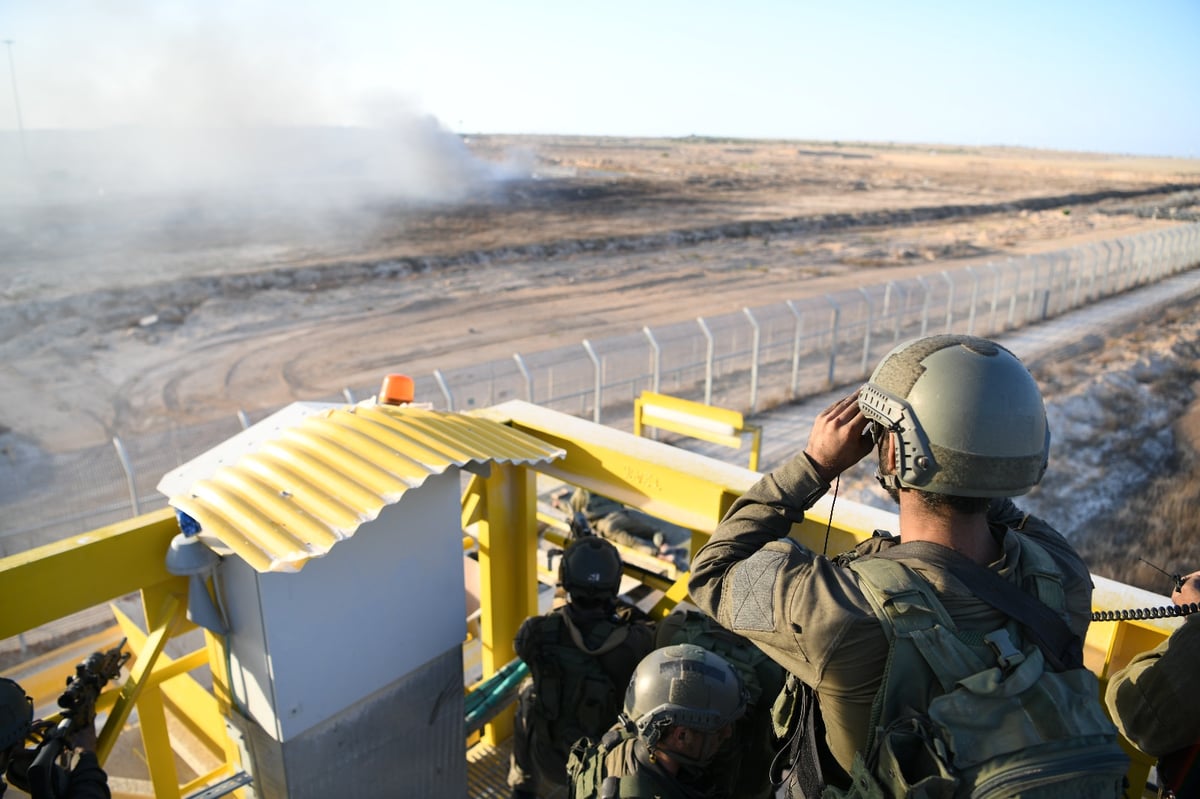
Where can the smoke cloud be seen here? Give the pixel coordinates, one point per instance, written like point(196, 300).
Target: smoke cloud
point(181, 131)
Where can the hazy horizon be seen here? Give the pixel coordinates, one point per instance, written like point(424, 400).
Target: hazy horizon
point(1102, 77)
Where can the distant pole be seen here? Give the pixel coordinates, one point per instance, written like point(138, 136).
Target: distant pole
point(12, 71)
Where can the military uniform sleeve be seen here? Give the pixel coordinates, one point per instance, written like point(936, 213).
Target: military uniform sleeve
point(88, 780)
point(1154, 699)
point(799, 607)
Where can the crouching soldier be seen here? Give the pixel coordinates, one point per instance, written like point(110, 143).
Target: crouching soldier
point(680, 708)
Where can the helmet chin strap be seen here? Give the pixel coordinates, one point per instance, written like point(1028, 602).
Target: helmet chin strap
point(890, 482)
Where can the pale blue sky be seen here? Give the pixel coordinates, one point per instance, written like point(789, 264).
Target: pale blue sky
point(1101, 76)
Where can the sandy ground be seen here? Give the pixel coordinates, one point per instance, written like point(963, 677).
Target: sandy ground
point(135, 314)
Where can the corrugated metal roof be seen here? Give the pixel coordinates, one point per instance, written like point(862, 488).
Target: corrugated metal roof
point(296, 494)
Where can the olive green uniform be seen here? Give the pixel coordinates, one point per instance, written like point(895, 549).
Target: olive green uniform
point(619, 766)
point(614, 521)
point(538, 753)
point(1155, 699)
point(810, 614)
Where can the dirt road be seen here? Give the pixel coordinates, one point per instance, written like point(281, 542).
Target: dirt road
point(133, 327)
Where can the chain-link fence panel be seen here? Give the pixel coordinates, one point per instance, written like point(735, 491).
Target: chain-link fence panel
point(748, 360)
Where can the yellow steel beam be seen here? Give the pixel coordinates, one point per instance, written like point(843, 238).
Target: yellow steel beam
point(139, 676)
point(675, 485)
point(204, 780)
point(507, 530)
point(160, 757)
point(46, 583)
point(671, 597)
point(218, 664)
point(197, 709)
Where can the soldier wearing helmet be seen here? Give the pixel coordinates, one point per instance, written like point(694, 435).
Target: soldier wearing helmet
point(580, 657)
point(85, 780)
point(681, 705)
point(958, 426)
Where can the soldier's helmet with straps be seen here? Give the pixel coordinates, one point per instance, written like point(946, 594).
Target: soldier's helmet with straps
point(966, 414)
point(683, 685)
point(590, 569)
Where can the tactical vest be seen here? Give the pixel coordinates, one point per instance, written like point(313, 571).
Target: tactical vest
point(578, 692)
point(1000, 723)
point(743, 766)
point(608, 769)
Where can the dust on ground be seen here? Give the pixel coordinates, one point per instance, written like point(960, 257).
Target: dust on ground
point(122, 319)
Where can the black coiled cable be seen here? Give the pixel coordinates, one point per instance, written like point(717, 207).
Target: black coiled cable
point(1138, 614)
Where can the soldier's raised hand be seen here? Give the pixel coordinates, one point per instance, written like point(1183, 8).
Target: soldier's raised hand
point(837, 442)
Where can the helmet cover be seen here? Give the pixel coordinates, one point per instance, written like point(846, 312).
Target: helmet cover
point(683, 685)
point(967, 417)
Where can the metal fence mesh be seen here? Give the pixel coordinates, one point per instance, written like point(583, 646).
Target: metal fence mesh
point(749, 361)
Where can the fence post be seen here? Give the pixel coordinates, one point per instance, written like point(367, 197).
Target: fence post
point(1093, 293)
point(899, 315)
point(709, 357)
point(795, 349)
point(1122, 267)
point(655, 360)
point(754, 360)
point(1016, 290)
point(974, 300)
point(924, 304)
point(1033, 287)
point(949, 301)
point(833, 331)
point(525, 373)
point(1110, 266)
point(1077, 258)
point(445, 388)
point(866, 356)
point(587, 347)
point(130, 477)
point(995, 297)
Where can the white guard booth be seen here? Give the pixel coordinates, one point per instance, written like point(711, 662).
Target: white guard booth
point(345, 661)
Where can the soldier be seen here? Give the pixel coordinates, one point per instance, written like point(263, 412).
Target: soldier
point(580, 658)
point(958, 425)
point(742, 767)
point(680, 708)
point(618, 524)
point(1155, 700)
point(85, 780)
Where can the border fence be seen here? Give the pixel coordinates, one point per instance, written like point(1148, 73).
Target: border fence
point(748, 361)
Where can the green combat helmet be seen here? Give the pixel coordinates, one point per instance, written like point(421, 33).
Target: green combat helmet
point(683, 685)
point(967, 416)
point(16, 714)
point(590, 569)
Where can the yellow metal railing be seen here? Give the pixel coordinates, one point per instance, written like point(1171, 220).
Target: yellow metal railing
point(61, 579)
point(64, 578)
point(696, 420)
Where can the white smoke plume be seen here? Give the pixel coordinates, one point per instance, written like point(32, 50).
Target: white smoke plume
point(165, 127)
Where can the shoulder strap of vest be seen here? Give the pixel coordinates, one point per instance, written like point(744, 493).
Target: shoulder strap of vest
point(615, 638)
point(909, 609)
point(896, 594)
point(1043, 626)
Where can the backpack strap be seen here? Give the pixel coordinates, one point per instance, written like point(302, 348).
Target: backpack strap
point(1062, 648)
point(615, 638)
point(909, 609)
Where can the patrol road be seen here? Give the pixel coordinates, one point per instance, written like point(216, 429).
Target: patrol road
point(109, 330)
